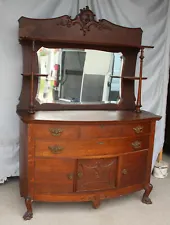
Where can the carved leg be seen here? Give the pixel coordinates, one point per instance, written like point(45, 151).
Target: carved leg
point(146, 199)
point(29, 214)
point(96, 203)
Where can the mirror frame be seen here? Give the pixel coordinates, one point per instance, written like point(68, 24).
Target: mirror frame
point(84, 32)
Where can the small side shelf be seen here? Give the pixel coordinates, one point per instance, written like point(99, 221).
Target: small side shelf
point(35, 74)
point(129, 78)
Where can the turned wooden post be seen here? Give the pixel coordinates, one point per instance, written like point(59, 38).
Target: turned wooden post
point(138, 105)
point(31, 107)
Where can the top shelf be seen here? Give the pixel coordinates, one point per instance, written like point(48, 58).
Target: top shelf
point(129, 78)
point(125, 77)
point(34, 74)
point(68, 44)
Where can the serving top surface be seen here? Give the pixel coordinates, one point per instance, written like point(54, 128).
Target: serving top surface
point(85, 116)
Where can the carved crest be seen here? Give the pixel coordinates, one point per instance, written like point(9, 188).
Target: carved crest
point(86, 15)
point(85, 19)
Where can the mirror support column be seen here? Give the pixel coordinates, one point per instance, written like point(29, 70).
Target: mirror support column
point(32, 107)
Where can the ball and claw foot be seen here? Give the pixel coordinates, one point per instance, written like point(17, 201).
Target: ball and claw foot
point(28, 215)
point(146, 199)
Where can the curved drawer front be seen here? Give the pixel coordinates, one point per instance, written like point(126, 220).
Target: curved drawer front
point(90, 148)
point(73, 132)
point(55, 132)
point(108, 131)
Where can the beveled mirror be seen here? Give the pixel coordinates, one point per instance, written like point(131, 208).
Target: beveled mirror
point(79, 76)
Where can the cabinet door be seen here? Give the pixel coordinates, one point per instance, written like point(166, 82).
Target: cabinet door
point(54, 176)
point(133, 168)
point(96, 174)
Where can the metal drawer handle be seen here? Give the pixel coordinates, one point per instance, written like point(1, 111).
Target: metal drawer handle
point(138, 129)
point(55, 131)
point(124, 171)
point(55, 149)
point(136, 144)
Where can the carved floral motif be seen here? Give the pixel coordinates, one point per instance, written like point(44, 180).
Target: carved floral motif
point(86, 19)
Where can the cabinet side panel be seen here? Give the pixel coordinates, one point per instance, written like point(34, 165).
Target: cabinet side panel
point(23, 159)
point(150, 153)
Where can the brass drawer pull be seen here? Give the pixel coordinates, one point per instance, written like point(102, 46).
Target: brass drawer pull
point(124, 171)
point(138, 129)
point(70, 176)
point(79, 175)
point(136, 144)
point(55, 131)
point(55, 149)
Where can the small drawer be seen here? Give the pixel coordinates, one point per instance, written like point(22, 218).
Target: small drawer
point(55, 132)
point(91, 147)
point(108, 131)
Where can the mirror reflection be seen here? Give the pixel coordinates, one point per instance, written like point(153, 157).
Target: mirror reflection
point(79, 76)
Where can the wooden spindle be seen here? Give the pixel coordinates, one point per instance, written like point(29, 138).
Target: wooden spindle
point(138, 105)
point(31, 107)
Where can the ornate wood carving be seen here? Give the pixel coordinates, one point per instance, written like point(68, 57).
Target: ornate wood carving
point(96, 174)
point(86, 19)
point(100, 32)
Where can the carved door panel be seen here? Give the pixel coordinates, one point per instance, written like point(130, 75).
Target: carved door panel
point(133, 168)
point(96, 174)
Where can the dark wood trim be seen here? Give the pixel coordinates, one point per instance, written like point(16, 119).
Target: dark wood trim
point(83, 32)
point(86, 28)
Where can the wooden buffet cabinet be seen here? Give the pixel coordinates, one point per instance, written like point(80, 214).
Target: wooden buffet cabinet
point(80, 152)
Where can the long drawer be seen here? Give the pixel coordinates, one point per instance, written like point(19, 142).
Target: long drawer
point(73, 132)
point(92, 147)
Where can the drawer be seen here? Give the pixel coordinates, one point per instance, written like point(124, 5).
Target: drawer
point(90, 147)
point(55, 132)
point(108, 131)
point(54, 176)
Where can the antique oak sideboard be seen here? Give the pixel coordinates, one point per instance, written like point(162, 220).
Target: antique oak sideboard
point(74, 150)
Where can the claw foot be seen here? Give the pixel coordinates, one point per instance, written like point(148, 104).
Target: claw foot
point(28, 215)
point(146, 200)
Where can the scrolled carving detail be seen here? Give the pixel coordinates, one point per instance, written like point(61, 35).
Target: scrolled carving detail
point(84, 19)
point(86, 15)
